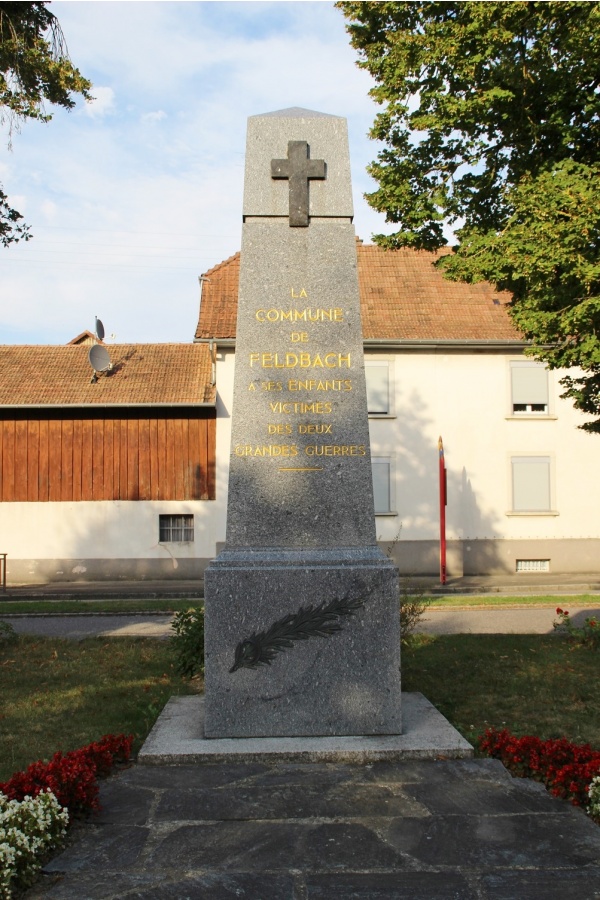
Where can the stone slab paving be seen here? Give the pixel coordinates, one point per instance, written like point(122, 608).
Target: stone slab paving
point(408, 830)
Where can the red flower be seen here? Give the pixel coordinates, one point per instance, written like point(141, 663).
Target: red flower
point(72, 778)
point(566, 769)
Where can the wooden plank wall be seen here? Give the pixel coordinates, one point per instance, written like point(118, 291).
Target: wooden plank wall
point(107, 459)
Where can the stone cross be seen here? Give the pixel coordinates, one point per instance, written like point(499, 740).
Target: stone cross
point(299, 168)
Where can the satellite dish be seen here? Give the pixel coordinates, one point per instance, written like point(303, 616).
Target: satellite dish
point(99, 358)
point(99, 329)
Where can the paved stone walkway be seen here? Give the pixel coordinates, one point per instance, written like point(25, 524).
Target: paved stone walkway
point(409, 830)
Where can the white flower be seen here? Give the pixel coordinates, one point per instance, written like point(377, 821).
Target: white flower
point(28, 828)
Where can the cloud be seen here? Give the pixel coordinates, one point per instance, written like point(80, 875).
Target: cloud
point(49, 210)
point(154, 116)
point(102, 104)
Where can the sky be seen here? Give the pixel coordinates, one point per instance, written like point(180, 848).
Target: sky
point(132, 197)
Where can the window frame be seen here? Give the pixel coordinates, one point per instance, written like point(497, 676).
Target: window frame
point(387, 362)
point(528, 412)
point(530, 458)
point(381, 460)
point(186, 526)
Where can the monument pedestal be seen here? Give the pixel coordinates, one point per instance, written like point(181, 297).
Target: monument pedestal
point(328, 620)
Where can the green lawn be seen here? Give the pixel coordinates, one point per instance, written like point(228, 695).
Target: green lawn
point(495, 600)
point(530, 684)
point(59, 694)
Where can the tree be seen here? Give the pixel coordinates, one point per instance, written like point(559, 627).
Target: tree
point(35, 69)
point(491, 123)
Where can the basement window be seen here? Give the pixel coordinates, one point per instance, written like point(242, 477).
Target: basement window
point(533, 565)
point(176, 529)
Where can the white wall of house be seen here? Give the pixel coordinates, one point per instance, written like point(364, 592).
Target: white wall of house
point(466, 398)
point(105, 540)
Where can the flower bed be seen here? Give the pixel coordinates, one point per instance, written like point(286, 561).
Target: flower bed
point(29, 829)
point(568, 770)
point(72, 777)
point(594, 799)
point(36, 805)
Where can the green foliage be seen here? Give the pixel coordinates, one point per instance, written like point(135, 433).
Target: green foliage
point(11, 228)
point(491, 122)
point(594, 802)
point(413, 605)
point(188, 641)
point(588, 635)
point(7, 632)
point(35, 69)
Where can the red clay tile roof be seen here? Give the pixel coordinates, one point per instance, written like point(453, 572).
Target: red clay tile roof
point(403, 297)
point(218, 308)
point(162, 374)
point(86, 337)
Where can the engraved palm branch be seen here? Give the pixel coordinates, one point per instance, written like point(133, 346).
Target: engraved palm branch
point(310, 621)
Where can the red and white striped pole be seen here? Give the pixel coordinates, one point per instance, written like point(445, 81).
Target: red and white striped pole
point(443, 501)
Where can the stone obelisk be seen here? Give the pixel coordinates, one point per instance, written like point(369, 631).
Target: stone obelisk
point(301, 607)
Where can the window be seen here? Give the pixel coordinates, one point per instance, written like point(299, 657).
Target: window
point(531, 484)
point(529, 388)
point(377, 374)
point(381, 467)
point(175, 529)
point(533, 565)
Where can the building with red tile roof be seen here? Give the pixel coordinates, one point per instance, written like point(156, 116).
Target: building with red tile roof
point(123, 473)
point(106, 474)
point(404, 298)
point(157, 375)
point(444, 358)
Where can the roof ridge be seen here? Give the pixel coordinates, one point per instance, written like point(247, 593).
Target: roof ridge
point(223, 262)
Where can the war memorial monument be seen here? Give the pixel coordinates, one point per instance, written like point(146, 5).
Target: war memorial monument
point(302, 610)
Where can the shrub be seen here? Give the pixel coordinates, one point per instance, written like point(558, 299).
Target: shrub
point(188, 641)
point(413, 605)
point(566, 769)
point(29, 829)
point(413, 602)
point(7, 632)
point(588, 635)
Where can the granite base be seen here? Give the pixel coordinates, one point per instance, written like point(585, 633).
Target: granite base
point(178, 737)
point(315, 683)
